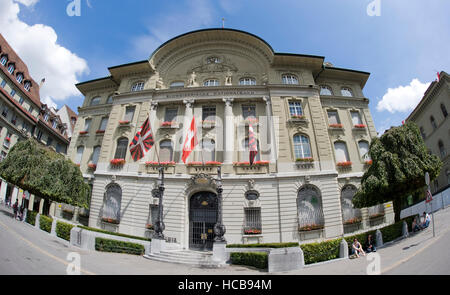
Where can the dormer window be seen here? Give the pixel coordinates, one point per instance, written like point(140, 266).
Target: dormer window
point(345, 91)
point(95, 101)
point(325, 90)
point(4, 60)
point(27, 85)
point(213, 60)
point(46, 117)
point(19, 77)
point(54, 123)
point(11, 68)
point(289, 79)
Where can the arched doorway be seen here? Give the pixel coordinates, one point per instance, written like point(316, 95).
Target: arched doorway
point(202, 218)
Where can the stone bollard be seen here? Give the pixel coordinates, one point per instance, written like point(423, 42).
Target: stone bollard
point(53, 231)
point(379, 238)
point(343, 249)
point(405, 232)
point(285, 259)
point(37, 222)
point(25, 212)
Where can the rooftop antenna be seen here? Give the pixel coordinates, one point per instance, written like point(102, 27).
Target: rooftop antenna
point(223, 22)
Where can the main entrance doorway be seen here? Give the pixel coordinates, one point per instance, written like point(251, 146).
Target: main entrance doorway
point(202, 218)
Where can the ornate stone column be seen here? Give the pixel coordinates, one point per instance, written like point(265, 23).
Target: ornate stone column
point(271, 127)
point(228, 136)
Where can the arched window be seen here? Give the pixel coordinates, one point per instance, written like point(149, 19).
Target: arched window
point(309, 206)
point(19, 77)
point(165, 151)
point(213, 60)
point(364, 150)
point(340, 149)
point(247, 81)
point(79, 156)
point(27, 85)
point(345, 91)
point(302, 148)
point(433, 122)
point(109, 100)
point(121, 149)
point(289, 79)
point(11, 68)
point(95, 101)
point(442, 150)
point(325, 90)
point(349, 213)
point(211, 82)
point(96, 154)
point(112, 203)
point(177, 84)
point(138, 86)
point(208, 150)
point(4, 60)
point(444, 110)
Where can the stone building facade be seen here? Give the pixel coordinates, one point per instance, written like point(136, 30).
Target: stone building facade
point(432, 117)
point(311, 120)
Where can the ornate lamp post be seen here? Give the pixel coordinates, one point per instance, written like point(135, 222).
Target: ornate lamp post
point(219, 228)
point(159, 226)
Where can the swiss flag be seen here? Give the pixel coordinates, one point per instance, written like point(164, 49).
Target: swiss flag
point(190, 142)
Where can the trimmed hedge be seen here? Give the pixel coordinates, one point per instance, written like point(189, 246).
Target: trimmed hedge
point(268, 245)
point(31, 217)
point(45, 223)
point(318, 252)
point(107, 245)
point(114, 234)
point(63, 230)
point(256, 259)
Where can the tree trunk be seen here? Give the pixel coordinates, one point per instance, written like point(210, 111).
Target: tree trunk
point(397, 202)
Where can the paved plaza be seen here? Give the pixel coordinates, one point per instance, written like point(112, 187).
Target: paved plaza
point(25, 250)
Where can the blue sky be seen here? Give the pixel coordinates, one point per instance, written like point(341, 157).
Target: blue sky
point(402, 48)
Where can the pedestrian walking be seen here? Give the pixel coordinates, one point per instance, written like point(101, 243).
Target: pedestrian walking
point(16, 208)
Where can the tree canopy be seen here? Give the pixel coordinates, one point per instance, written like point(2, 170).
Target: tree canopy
point(45, 173)
point(400, 160)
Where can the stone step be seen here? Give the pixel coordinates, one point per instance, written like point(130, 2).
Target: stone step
point(179, 260)
point(186, 254)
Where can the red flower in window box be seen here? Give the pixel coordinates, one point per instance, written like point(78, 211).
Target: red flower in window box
point(7, 139)
point(336, 126)
point(124, 122)
point(149, 226)
point(241, 163)
point(152, 163)
point(252, 231)
point(92, 166)
point(297, 116)
point(117, 162)
point(307, 160)
point(359, 126)
point(261, 162)
point(110, 220)
point(208, 122)
point(167, 124)
point(368, 162)
point(310, 227)
point(353, 221)
point(194, 163)
point(100, 131)
point(213, 163)
point(83, 132)
point(344, 164)
point(252, 120)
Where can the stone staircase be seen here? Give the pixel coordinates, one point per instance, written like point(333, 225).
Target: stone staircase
point(188, 257)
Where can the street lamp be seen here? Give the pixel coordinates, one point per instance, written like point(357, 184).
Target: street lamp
point(159, 226)
point(219, 228)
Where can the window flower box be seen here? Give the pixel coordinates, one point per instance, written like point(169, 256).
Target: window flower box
point(359, 126)
point(110, 220)
point(376, 215)
point(304, 160)
point(355, 220)
point(248, 163)
point(368, 162)
point(208, 163)
point(310, 227)
point(258, 167)
point(153, 167)
point(252, 231)
point(253, 121)
point(92, 166)
point(100, 131)
point(345, 164)
point(149, 226)
point(208, 124)
point(340, 126)
point(125, 122)
point(171, 163)
point(83, 132)
point(117, 162)
point(169, 124)
point(300, 117)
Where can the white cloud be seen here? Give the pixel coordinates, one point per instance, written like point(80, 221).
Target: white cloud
point(403, 98)
point(191, 15)
point(37, 46)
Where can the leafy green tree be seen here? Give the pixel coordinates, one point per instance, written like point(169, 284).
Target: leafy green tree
point(45, 173)
point(400, 160)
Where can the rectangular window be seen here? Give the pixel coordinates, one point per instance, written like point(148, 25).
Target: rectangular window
point(208, 113)
point(14, 119)
point(3, 156)
point(295, 108)
point(252, 220)
point(39, 135)
point(356, 119)
point(21, 100)
point(49, 141)
point(7, 141)
point(170, 114)
point(13, 92)
point(103, 124)
point(333, 118)
point(129, 113)
point(5, 111)
point(248, 111)
point(3, 83)
point(87, 124)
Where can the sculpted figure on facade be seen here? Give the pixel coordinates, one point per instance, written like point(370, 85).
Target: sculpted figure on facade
point(192, 80)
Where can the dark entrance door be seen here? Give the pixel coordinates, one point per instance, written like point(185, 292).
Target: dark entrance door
point(202, 218)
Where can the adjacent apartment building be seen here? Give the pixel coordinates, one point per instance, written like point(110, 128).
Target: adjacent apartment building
point(311, 120)
point(432, 117)
point(23, 115)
